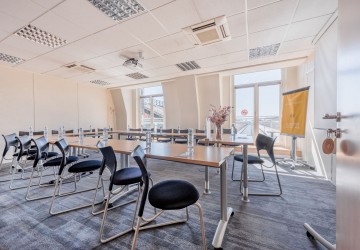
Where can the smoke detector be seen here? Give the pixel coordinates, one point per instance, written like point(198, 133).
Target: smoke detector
point(211, 31)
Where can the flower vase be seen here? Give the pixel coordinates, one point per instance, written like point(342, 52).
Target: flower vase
point(218, 132)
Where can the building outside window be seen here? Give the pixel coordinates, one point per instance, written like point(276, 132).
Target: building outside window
point(257, 102)
point(152, 110)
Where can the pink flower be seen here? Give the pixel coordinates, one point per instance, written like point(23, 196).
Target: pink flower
point(218, 117)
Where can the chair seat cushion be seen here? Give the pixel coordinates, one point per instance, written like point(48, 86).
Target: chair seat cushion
point(57, 161)
point(85, 166)
point(127, 176)
point(181, 141)
point(173, 194)
point(164, 139)
point(28, 152)
point(43, 155)
point(251, 159)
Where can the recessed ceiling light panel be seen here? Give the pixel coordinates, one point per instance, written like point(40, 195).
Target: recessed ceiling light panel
point(136, 76)
point(99, 82)
point(269, 50)
point(40, 36)
point(118, 9)
point(10, 59)
point(185, 66)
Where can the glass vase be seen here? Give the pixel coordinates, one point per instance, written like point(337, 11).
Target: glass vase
point(218, 132)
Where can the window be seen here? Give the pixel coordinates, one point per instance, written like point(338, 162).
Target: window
point(152, 107)
point(257, 102)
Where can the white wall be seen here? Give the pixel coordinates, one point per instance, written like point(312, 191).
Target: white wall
point(29, 99)
point(318, 73)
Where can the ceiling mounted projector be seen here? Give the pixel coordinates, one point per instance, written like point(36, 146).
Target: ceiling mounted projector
point(132, 63)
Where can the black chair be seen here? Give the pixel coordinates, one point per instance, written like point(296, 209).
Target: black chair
point(71, 168)
point(127, 178)
point(43, 160)
point(133, 137)
point(24, 153)
point(181, 140)
point(266, 143)
point(203, 142)
point(146, 130)
point(10, 141)
point(165, 195)
point(164, 139)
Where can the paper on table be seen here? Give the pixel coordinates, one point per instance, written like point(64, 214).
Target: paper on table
point(242, 136)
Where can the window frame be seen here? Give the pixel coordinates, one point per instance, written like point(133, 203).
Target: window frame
point(152, 107)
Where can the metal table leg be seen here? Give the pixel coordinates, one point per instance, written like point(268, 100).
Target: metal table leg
point(245, 197)
point(226, 211)
point(207, 182)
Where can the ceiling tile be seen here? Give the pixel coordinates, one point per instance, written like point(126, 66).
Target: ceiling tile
point(296, 45)
point(314, 8)
point(161, 71)
point(223, 59)
point(271, 16)
point(172, 43)
point(133, 52)
point(47, 4)
point(156, 62)
point(152, 30)
point(23, 48)
point(24, 10)
point(65, 72)
point(177, 15)
point(41, 64)
point(309, 27)
point(84, 15)
point(213, 8)
point(252, 4)
point(85, 76)
point(266, 37)
point(60, 27)
point(10, 24)
point(152, 4)
point(237, 25)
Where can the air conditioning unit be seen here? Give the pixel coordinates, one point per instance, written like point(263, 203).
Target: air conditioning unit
point(79, 67)
point(211, 31)
point(132, 63)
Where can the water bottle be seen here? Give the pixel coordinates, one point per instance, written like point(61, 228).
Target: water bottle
point(160, 129)
point(31, 132)
point(233, 130)
point(141, 128)
point(105, 135)
point(190, 140)
point(63, 131)
point(81, 135)
point(90, 129)
point(128, 128)
point(148, 139)
point(155, 128)
point(60, 133)
point(178, 129)
point(46, 132)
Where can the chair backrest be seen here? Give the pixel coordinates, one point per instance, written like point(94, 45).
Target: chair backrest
point(227, 131)
point(183, 131)
point(54, 132)
point(21, 133)
point(88, 130)
point(24, 145)
point(134, 129)
point(100, 130)
point(148, 129)
point(170, 130)
point(42, 146)
point(10, 141)
point(199, 131)
point(139, 156)
point(264, 142)
point(109, 161)
point(64, 149)
point(38, 132)
point(70, 131)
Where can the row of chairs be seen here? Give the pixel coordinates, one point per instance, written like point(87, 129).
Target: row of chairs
point(166, 195)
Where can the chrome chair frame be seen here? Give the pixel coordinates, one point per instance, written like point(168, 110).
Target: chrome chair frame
point(139, 156)
point(62, 175)
point(10, 142)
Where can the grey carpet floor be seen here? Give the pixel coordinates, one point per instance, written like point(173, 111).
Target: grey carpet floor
point(263, 223)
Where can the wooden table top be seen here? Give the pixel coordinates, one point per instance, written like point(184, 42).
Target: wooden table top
point(206, 156)
point(229, 139)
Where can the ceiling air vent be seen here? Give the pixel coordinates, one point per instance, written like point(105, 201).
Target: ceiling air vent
point(136, 75)
point(10, 59)
point(99, 82)
point(211, 31)
point(79, 67)
point(269, 50)
point(188, 66)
